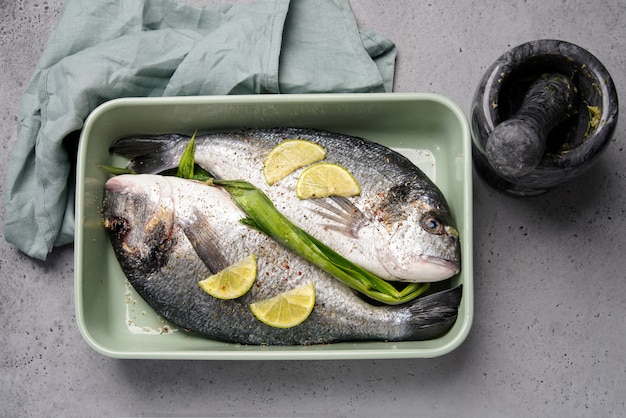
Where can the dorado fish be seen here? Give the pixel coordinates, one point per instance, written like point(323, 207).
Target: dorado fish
point(168, 233)
point(399, 227)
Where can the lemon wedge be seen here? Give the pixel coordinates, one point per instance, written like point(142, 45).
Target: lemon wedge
point(287, 309)
point(289, 156)
point(326, 179)
point(232, 282)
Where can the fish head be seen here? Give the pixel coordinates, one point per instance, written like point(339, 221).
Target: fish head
point(424, 243)
point(138, 216)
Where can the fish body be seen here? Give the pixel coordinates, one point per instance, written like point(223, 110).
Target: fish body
point(169, 233)
point(399, 227)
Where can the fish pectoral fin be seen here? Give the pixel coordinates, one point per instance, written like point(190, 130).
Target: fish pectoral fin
point(344, 215)
point(205, 243)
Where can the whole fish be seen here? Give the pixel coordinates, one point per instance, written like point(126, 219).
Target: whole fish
point(168, 233)
point(399, 227)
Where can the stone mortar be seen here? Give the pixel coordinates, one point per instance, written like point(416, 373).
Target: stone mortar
point(575, 143)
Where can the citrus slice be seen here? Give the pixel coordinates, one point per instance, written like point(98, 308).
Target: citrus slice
point(289, 156)
point(232, 282)
point(287, 309)
point(326, 179)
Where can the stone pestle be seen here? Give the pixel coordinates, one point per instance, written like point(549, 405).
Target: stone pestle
point(517, 145)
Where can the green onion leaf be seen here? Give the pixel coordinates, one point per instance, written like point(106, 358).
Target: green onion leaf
point(187, 162)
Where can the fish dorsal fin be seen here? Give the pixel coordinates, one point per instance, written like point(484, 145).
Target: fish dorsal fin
point(343, 215)
point(204, 241)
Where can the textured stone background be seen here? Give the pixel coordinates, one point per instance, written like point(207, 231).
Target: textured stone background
point(548, 335)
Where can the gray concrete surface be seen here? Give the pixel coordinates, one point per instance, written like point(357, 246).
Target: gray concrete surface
point(549, 331)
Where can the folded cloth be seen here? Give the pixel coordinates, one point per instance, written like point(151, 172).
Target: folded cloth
point(121, 48)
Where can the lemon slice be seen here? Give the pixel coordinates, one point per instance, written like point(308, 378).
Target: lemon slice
point(288, 156)
point(326, 179)
point(232, 282)
point(287, 309)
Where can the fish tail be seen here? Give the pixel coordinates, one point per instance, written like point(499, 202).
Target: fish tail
point(433, 315)
point(151, 155)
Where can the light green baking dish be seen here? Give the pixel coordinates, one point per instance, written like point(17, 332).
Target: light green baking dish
point(429, 129)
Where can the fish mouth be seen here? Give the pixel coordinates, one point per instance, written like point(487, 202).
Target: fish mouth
point(431, 268)
point(453, 266)
point(116, 186)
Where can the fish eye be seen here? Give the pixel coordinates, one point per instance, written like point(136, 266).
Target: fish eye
point(433, 225)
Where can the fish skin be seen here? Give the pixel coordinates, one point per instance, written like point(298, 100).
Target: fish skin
point(399, 227)
point(146, 217)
